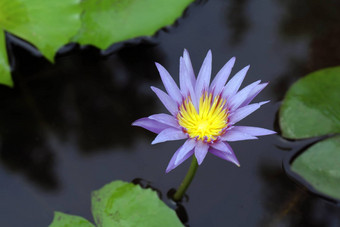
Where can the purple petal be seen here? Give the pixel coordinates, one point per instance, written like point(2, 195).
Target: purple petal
point(187, 61)
point(201, 151)
point(222, 147)
point(151, 125)
point(243, 112)
point(234, 135)
point(241, 96)
point(172, 164)
point(253, 131)
point(186, 84)
point(167, 101)
point(234, 84)
point(222, 77)
point(203, 78)
point(169, 84)
point(225, 155)
point(169, 134)
point(165, 119)
point(184, 149)
point(184, 79)
point(254, 93)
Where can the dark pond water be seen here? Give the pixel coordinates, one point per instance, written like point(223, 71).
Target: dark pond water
point(65, 128)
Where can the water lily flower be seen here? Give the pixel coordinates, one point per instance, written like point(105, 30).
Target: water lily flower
point(205, 115)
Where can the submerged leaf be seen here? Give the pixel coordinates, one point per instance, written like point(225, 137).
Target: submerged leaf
point(105, 22)
point(48, 25)
point(5, 72)
point(65, 220)
point(125, 204)
point(319, 165)
point(311, 107)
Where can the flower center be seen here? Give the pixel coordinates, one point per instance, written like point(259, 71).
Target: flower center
point(209, 123)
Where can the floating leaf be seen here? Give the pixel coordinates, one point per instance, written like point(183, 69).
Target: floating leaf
point(65, 220)
point(48, 25)
point(125, 204)
point(5, 72)
point(311, 107)
point(319, 165)
point(109, 21)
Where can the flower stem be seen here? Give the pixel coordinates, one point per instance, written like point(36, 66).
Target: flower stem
point(187, 180)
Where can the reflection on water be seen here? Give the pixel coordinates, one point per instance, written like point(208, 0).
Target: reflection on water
point(309, 18)
point(296, 70)
point(237, 20)
point(325, 49)
point(65, 101)
point(23, 143)
point(99, 112)
point(318, 21)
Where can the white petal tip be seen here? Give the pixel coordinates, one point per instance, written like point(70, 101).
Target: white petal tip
point(169, 168)
point(244, 70)
point(153, 88)
point(264, 102)
point(209, 56)
point(176, 162)
point(155, 141)
point(159, 67)
point(236, 163)
point(135, 123)
point(270, 132)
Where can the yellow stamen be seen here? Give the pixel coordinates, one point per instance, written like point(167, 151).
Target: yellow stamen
point(209, 123)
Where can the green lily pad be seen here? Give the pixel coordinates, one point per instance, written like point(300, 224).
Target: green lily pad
point(311, 107)
point(105, 22)
point(5, 71)
point(65, 220)
point(48, 25)
point(125, 204)
point(319, 165)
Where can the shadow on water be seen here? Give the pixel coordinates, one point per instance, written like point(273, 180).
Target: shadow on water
point(288, 204)
point(63, 100)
